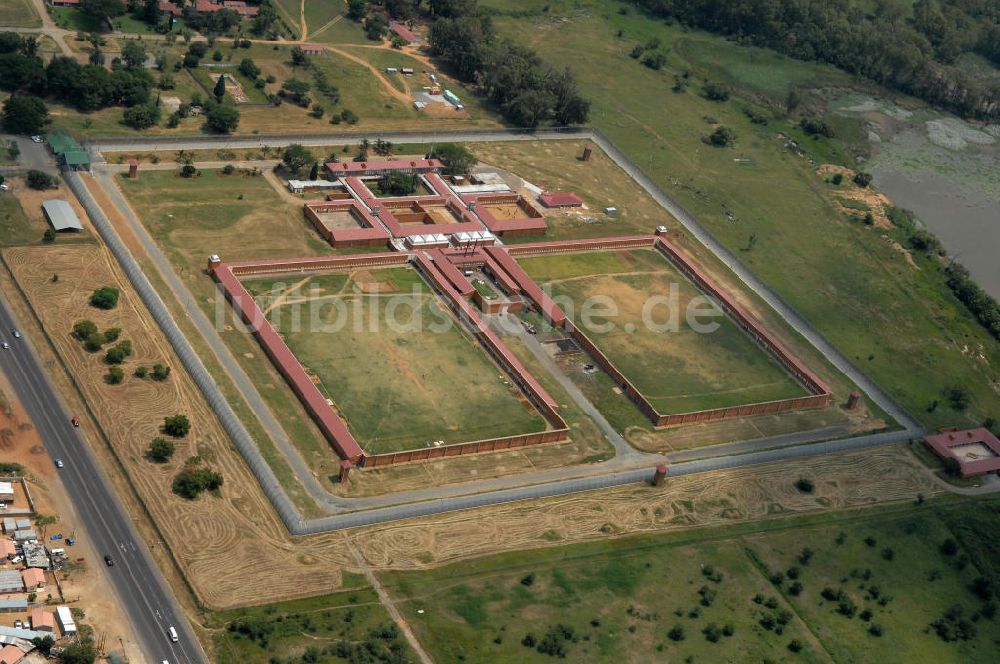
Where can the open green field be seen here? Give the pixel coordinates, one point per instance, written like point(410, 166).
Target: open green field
point(399, 371)
point(345, 626)
point(19, 14)
point(899, 324)
point(344, 31)
point(763, 586)
point(678, 370)
point(15, 227)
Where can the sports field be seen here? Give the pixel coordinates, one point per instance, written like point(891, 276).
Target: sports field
point(396, 367)
point(680, 369)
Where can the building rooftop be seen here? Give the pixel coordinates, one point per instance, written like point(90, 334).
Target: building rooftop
point(41, 618)
point(11, 655)
point(560, 199)
point(33, 577)
point(61, 215)
point(361, 167)
point(405, 32)
point(976, 450)
point(7, 548)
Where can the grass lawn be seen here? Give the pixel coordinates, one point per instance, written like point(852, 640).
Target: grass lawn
point(678, 371)
point(621, 599)
point(433, 384)
point(15, 227)
point(19, 14)
point(899, 324)
point(330, 628)
point(74, 19)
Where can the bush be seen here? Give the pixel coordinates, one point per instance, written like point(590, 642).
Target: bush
point(105, 297)
point(176, 425)
point(83, 329)
point(222, 119)
point(715, 91)
point(140, 372)
point(40, 180)
point(192, 481)
point(862, 179)
point(805, 485)
point(655, 60)
point(795, 645)
point(722, 137)
point(49, 236)
point(814, 127)
point(117, 353)
point(875, 629)
point(160, 372)
point(676, 633)
point(160, 450)
point(712, 632)
point(349, 116)
point(837, 179)
point(114, 376)
point(188, 171)
point(111, 334)
point(93, 342)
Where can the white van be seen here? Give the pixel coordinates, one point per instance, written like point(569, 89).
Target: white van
point(173, 634)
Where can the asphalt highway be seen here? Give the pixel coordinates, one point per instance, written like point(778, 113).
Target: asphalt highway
point(143, 593)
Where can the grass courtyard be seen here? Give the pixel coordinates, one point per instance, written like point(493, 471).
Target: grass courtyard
point(399, 387)
point(878, 585)
point(678, 370)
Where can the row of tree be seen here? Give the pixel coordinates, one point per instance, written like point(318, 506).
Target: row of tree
point(526, 90)
point(878, 41)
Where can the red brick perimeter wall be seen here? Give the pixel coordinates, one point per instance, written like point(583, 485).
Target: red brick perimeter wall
point(820, 394)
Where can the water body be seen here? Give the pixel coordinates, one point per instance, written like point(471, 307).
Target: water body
point(966, 222)
point(943, 169)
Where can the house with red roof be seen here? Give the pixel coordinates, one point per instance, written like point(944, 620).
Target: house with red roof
point(402, 31)
point(977, 451)
point(33, 577)
point(560, 199)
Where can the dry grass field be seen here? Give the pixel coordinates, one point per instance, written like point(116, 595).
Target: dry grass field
point(397, 366)
point(676, 365)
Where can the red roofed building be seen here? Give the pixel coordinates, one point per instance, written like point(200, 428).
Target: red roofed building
point(241, 8)
point(560, 199)
point(976, 450)
point(206, 6)
point(170, 8)
point(7, 549)
point(33, 577)
point(64, 3)
point(11, 655)
point(409, 35)
point(312, 49)
point(42, 620)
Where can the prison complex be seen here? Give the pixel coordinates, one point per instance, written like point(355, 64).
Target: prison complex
point(445, 234)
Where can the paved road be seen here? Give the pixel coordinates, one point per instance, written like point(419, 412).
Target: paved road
point(146, 599)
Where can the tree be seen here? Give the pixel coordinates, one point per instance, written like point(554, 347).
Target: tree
point(222, 119)
point(357, 9)
point(43, 643)
point(655, 60)
point(193, 480)
point(530, 108)
point(249, 68)
point(160, 372)
point(115, 376)
point(176, 425)
point(376, 26)
point(715, 91)
point(40, 180)
point(805, 485)
point(83, 329)
point(103, 9)
point(220, 88)
point(299, 57)
point(81, 652)
point(314, 171)
point(296, 90)
point(188, 171)
point(24, 114)
point(160, 450)
point(397, 183)
point(133, 54)
point(142, 117)
point(267, 16)
point(49, 236)
point(296, 157)
point(105, 297)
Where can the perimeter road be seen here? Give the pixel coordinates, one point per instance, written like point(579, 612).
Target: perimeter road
point(142, 592)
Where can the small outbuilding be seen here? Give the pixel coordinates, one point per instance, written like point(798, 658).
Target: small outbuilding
point(61, 215)
point(33, 578)
point(560, 199)
point(6, 491)
point(42, 620)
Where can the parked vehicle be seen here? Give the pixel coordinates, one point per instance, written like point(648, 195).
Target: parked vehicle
point(70, 541)
point(172, 633)
point(109, 561)
point(6, 345)
point(56, 537)
point(59, 463)
point(17, 335)
point(75, 421)
point(36, 139)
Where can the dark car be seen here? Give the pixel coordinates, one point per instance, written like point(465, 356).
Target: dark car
point(109, 561)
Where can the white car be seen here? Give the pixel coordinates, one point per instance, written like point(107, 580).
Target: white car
point(59, 463)
point(5, 345)
point(4, 187)
point(36, 139)
point(17, 335)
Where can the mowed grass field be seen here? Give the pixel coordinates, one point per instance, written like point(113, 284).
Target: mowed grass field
point(747, 594)
point(398, 369)
point(900, 325)
point(673, 364)
point(19, 14)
